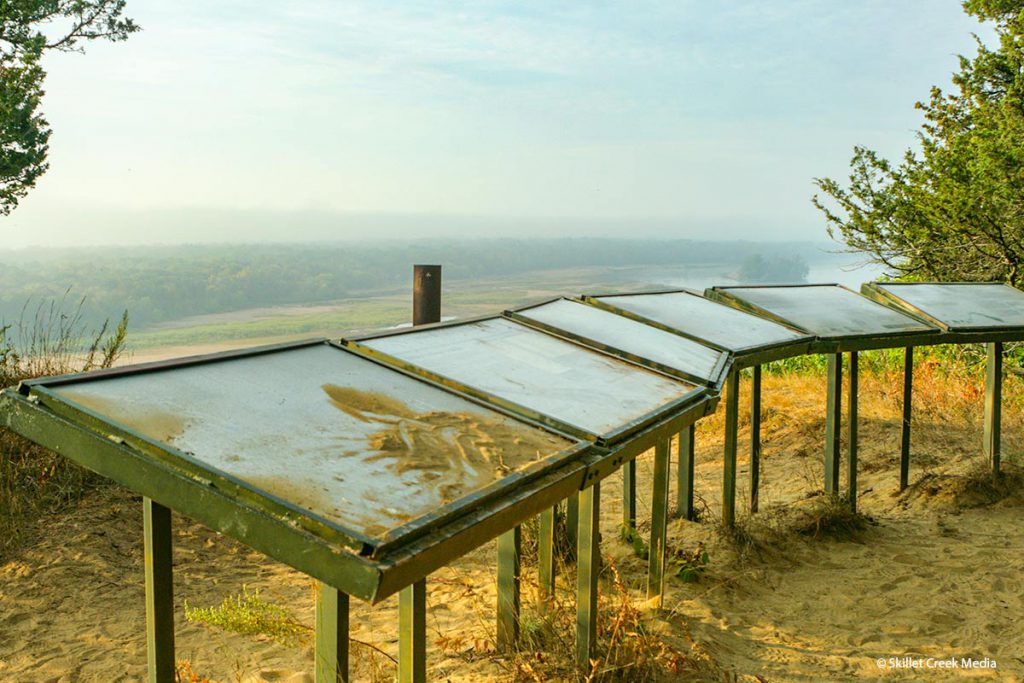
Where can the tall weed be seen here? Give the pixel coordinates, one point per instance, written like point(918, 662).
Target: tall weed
point(49, 339)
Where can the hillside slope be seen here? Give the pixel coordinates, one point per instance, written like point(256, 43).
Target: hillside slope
point(937, 572)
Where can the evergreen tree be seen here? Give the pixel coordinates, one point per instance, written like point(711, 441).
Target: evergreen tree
point(954, 210)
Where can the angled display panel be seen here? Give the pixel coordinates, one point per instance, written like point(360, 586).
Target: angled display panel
point(839, 317)
point(331, 448)
point(988, 311)
point(636, 341)
point(585, 392)
point(750, 338)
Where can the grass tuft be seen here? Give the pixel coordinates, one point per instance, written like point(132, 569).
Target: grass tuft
point(829, 516)
point(975, 488)
point(819, 516)
point(51, 339)
point(248, 614)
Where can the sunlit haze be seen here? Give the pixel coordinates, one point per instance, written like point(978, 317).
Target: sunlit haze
point(251, 121)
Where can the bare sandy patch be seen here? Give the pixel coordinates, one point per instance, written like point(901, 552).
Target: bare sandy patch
point(939, 571)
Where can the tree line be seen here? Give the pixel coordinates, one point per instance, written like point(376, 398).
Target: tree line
point(158, 284)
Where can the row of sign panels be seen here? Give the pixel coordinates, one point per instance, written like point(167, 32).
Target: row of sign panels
point(889, 314)
point(370, 463)
point(364, 474)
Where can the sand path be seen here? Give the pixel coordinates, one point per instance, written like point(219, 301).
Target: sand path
point(935, 577)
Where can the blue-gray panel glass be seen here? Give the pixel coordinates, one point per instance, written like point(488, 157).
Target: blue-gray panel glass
point(630, 336)
point(965, 306)
point(719, 324)
point(829, 311)
point(589, 390)
point(324, 429)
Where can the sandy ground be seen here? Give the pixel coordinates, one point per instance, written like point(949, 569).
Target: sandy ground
point(939, 573)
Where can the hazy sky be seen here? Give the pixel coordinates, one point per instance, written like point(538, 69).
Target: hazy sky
point(235, 120)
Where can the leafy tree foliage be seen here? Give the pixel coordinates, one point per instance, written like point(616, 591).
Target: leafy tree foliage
point(23, 132)
point(28, 28)
point(954, 210)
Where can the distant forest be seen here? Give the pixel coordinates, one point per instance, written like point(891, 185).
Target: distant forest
point(157, 284)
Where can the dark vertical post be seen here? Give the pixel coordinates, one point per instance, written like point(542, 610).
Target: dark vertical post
point(755, 437)
point(993, 404)
point(908, 402)
point(510, 548)
point(732, 409)
point(588, 566)
point(629, 495)
point(331, 649)
point(833, 422)
point(546, 557)
point(659, 523)
point(572, 522)
point(412, 633)
point(684, 475)
point(852, 431)
point(426, 294)
point(159, 591)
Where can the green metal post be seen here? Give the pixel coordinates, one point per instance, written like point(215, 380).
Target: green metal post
point(755, 437)
point(546, 557)
point(412, 633)
point(629, 494)
point(588, 566)
point(159, 592)
point(852, 431)
point(572, 522)
point(993, 404)
point(684, 475)
point(659, 524)
point(412, 600)
point(510, 548)
point(331, 651)
point(908, 402)
point(732, 409)
point(833, 422)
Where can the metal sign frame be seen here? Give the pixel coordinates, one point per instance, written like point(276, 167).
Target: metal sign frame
point(827, 343)
point(618, 435)
point(879, 292)
point(993, 336)
point(345, 562)
point(742, 357)
point(751, 355)
point(714, 378)
point(365, 567)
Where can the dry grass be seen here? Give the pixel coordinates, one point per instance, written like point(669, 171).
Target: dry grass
point(797, 526)
point(974, 488)
point(948, 400)
point(818, 516)
point(638, 644)
point(631, 645)
point(249, 614)
point(33, 480)
point(184, 673)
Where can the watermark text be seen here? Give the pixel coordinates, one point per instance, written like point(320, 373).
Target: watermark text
point(947, 663)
